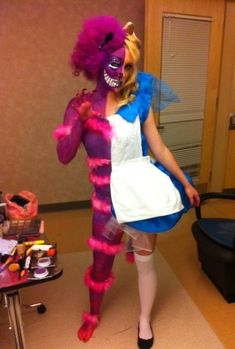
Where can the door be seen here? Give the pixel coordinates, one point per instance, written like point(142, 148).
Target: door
point(184, 65)
point(211, 11)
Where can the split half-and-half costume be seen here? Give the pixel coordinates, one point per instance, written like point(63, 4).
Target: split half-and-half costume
point(131, 191)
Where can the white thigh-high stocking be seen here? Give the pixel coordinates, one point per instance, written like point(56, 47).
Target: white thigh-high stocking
point(147, 281)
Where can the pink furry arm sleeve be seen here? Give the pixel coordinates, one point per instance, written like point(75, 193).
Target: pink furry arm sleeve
point(69, 134)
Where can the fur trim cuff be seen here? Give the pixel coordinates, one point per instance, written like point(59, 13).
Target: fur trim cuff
point(99, 180)
point(96, 162)
point(99, 125)
point(93, 319)
point(99, 205)
point(96, 285)
point(104, 247)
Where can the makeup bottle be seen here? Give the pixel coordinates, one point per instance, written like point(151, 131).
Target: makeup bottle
point(2, 214)
point(3, 211)
point(1, 224)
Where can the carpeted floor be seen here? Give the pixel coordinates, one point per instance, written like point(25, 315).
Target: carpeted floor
point(189, 312)
point(177, 321)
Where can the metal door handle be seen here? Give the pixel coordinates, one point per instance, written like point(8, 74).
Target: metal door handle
point(232, 121)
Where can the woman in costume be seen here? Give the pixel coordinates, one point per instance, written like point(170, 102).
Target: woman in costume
point(132, 192)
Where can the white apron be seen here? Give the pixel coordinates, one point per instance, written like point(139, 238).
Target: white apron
point(139, 190)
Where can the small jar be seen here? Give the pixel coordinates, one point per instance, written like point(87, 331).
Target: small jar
point(1, 224)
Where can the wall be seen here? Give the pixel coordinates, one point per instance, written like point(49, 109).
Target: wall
point(37, 37)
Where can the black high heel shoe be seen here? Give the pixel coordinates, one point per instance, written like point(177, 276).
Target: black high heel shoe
point(145, 343)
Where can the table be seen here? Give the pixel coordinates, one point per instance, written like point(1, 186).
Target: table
point(10, 286)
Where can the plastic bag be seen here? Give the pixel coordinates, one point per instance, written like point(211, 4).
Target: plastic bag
point(24, 205)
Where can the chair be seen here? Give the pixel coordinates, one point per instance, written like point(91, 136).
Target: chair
point(215, 238)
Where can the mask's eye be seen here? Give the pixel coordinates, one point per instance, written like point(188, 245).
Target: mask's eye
point(115, 63)
point(128, 67)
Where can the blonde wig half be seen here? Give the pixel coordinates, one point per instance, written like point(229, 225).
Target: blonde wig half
point(133, 45)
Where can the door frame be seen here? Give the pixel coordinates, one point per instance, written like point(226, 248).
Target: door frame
point(223, 158)
point(215, 9)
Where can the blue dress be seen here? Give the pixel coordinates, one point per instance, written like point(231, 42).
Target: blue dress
point(154, 93)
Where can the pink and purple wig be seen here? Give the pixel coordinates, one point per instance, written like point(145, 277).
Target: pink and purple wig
point(99, 37)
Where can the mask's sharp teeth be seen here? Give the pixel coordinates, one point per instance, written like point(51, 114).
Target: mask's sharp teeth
point(111, 82)
point(106, 76)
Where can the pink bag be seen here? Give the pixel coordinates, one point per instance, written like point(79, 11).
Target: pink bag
point(21, 206)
